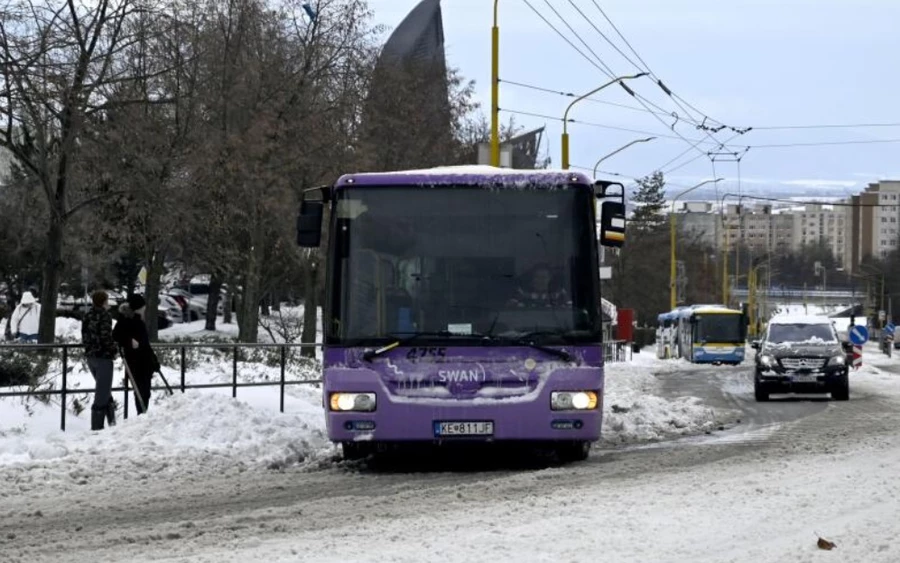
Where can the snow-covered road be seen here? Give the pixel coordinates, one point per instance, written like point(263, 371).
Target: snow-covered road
point(756, 492)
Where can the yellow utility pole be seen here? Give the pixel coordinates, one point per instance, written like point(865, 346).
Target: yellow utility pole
point(495, 91)
point(725, 296)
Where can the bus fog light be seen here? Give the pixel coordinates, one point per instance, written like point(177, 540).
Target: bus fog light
point(573, 400)
point(360, 402)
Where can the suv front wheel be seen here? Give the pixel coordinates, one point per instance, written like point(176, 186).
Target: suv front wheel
point(840, 389)
point(760, 391)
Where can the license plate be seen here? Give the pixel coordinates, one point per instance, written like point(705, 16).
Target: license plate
point(464, 428)
point(804, 379)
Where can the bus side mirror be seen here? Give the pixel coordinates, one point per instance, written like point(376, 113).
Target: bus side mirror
point(309, 223)
point(612, 224)
point(612, 212)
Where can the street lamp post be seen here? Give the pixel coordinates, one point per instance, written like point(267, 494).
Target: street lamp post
point(495, 91)
point(565, 135)
point(672, 296)
point(620, 149)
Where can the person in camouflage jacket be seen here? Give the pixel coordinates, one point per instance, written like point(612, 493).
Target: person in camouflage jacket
point(100, 351)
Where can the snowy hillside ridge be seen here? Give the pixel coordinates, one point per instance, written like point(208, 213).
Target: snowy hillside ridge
point(634, 411)
point(181, 430)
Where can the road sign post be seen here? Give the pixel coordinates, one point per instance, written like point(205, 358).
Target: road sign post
point(857, 357)
point(888, 338)
point(859, 335)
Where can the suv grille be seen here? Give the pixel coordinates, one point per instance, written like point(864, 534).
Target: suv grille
point(803, 363)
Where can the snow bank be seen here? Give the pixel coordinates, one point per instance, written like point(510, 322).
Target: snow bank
point(634, 410)
point(180, 434)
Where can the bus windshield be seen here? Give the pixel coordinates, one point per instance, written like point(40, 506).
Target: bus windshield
point(432, 260)
point(725, 328)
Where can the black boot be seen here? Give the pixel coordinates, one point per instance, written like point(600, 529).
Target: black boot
point(111, 412)
point(98, 416)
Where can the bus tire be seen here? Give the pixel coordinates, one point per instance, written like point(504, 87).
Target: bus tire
point(573, 451)
point(353, 451)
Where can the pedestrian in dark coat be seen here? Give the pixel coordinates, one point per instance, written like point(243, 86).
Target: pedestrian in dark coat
point(131, 335)
point(100, 351)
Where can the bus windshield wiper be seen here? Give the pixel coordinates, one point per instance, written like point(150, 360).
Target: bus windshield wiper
point(409, 337)
point(527, 339)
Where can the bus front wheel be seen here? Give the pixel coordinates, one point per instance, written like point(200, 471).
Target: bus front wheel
point(573, 451)
point(354, 451)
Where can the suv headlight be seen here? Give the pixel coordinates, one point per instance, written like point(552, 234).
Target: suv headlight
point(766, 360)
point(573, 400)
point(837, 360)
point(360, 402)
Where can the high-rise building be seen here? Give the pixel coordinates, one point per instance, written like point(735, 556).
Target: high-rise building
point(874, 222)
point(407, 119)
point(823, 224)
point(419, 39)
point(760, 229)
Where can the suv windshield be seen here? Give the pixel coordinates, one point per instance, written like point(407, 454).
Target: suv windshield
point(801, 332)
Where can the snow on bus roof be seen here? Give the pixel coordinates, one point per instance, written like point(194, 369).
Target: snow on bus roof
point(710, 309)
point(466, 174)
point(800, 320)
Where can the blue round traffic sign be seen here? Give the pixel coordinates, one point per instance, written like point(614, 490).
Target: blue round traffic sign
point(890, 328)
point(859, 335)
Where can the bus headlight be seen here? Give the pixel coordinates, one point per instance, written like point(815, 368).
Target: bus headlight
point(573, 400)
point(359, 402)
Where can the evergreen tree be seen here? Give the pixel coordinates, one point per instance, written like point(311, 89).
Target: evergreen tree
point(650, 201)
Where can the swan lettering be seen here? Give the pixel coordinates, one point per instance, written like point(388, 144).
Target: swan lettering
point(454, 375)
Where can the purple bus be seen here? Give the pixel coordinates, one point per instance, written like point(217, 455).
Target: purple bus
point(463, 304)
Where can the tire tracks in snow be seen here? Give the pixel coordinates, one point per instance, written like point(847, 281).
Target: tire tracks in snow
point(160, 516)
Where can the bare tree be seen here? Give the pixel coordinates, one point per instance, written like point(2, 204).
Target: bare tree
point(276, 123)
point(53, 61)
point(153, 139)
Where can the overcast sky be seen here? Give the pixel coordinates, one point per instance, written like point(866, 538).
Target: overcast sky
point(744, 63)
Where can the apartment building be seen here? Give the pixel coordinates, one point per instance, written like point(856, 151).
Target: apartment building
point(761, 229)
point(824, 224)
point(868, 227)
point(874, 222)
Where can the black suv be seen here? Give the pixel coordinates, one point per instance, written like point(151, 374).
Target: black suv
point(801, 355)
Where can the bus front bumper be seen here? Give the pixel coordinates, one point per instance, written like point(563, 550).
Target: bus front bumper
point(407, 419)
point(719, 354)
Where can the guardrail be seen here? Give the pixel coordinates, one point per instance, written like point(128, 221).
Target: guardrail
point(66, 357)
point(617, 351)
point(613, 351)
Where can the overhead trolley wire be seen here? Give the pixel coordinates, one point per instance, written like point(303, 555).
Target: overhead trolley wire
point(601, 66)
point(601, 126)
point(675, 97)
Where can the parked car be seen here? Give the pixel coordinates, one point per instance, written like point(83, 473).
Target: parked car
point(802, 355)
point(196, 309)
point(198, 292)
point(172, 307)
